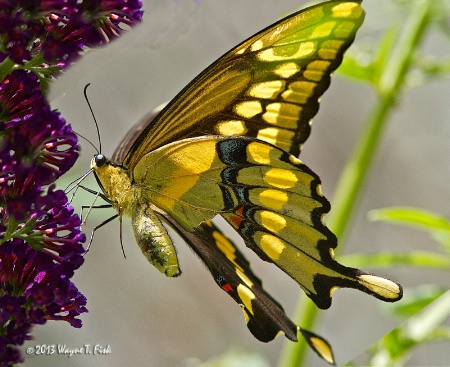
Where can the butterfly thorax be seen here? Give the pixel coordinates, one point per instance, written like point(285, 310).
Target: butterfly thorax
point(117, 186)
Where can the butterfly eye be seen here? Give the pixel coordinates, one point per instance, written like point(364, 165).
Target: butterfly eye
point(100, 160)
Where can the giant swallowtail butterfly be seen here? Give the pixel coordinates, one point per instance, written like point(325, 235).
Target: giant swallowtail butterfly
point(227, 145)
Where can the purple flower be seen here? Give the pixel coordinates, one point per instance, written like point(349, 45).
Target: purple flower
point(37, 146)
point(56, 32)
point(33, 289)
point(40, 236)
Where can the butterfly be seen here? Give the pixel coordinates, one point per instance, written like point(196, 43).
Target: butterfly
point(227, 145)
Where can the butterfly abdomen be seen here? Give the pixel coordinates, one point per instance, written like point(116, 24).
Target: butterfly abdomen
point(154, 241)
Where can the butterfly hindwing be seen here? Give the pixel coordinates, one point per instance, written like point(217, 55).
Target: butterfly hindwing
point(231, 271)
point(272, 199)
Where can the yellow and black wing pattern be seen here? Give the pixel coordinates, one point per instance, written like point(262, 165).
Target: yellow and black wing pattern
point(231, 271)
point(227, 145)
point(269, 196)
point(268, 87)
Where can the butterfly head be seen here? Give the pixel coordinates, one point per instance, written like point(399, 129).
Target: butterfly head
point(99, 160)
point(99, 164)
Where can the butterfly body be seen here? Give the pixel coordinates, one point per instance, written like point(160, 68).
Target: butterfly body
point(126, 197)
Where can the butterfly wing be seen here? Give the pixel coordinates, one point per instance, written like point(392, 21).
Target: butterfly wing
point(264, 316)
point(271, 198)
point(268, 87)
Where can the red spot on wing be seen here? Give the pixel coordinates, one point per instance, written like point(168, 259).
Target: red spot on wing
point(236, 220)
point(227, 287)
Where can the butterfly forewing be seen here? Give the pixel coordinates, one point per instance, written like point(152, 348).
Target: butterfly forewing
point(268, 87)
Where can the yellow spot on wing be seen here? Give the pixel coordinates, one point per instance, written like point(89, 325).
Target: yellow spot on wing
point(280, 178)
point(283, 114)
point(271, 221)
point(305, 49)
point(380, 286)
point(323, 30)
point(273, 199)
point(267, 90)
point(347, 10)
point(344, 29)
point(280, 138)
point(314, 75)
point(329, 49)
point(319, 190)
point(272, 246)
point(240, 273)
point(231, 127)
point(303, 87)
point(294, 159)
point(246, 296)
point(319, 65)
point(287, 70)
point(299, 92)
point(315, 70)
point(246, 316)
point(225, 246)
point(248, 109)
point(259, 153)
point(323, 348)
point(258, 45)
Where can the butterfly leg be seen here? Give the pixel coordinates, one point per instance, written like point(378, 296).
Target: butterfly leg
point(97, 227)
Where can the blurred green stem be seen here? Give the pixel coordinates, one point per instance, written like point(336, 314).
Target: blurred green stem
point(353, 176)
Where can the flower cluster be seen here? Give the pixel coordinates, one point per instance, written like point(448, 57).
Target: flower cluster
point(40, 236)
point(41, 239)
point(56, 32)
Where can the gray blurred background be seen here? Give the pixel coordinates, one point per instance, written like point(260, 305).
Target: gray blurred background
point(149, 320)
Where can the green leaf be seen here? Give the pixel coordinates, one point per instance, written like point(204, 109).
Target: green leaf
point(424, 259)
point(420, 326)
point(357, 66)
point(6, 67)
point(436, 225)
point(396, 347)
point(414, 217)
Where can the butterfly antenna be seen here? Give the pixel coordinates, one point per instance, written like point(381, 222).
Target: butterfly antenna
point(90, 142)
point(93, 116)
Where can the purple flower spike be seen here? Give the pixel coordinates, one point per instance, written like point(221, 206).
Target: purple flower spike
point(58, 31)
point(40, 236)
point(37, 146)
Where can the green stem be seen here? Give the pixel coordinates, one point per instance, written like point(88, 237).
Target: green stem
point(357, 168)
point(390, 85)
